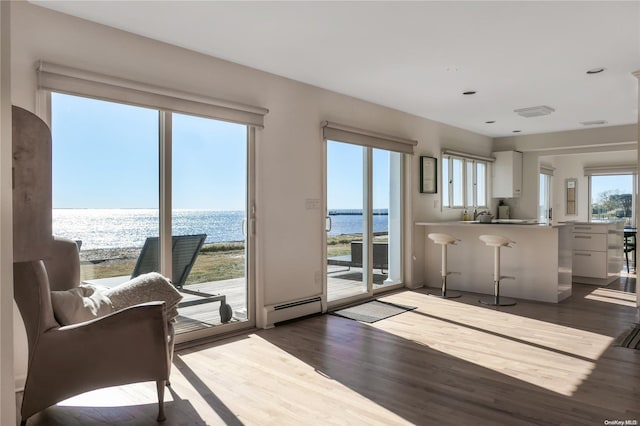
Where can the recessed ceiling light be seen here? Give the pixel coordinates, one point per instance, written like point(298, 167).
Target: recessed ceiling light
point(490, 121)
point(596, 70)
point(517, 131)
point(469, 92)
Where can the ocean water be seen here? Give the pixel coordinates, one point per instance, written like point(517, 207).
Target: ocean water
point(118, 228)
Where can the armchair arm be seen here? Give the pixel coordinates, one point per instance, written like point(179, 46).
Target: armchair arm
point(126, 312)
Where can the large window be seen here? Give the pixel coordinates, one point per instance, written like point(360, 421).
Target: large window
point(116, 180)
point(613, 197)
point(464, 182)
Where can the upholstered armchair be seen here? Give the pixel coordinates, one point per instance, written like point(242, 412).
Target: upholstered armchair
point(127, 346)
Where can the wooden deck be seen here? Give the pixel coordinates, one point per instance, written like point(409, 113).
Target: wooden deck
point(341, 283)
point(448, 362)
point(207, 315)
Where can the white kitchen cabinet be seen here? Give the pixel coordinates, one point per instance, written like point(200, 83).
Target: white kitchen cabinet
point(597, 252)
point(507, 174)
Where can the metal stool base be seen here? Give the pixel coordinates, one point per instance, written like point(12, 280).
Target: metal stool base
point(450, 294)
point(497, 301)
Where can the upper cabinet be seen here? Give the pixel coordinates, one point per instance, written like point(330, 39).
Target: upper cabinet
point(507, 174)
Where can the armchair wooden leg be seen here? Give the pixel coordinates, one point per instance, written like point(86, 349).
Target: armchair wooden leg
point(160, 385)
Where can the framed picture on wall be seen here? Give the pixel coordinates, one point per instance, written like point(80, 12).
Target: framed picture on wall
point(572, 197)
point(428, 175)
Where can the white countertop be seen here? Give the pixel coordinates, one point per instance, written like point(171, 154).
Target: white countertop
point(510, 224)
point(599, 222)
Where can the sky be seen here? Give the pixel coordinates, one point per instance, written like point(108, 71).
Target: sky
point(345, 179)
point(600, 184)
point(106, 155)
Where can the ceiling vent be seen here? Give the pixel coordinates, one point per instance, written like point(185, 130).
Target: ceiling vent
point(593, 123)
point(536, 111)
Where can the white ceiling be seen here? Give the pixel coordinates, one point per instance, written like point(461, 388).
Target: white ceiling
point(419, 57)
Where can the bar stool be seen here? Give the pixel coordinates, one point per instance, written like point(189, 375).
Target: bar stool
point(445, 240)
point(497, 241)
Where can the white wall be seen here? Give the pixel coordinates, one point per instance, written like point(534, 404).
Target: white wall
point(572, 150)
point(568, 167)
point(289, 149)
point(7, 395)
point(571, 166)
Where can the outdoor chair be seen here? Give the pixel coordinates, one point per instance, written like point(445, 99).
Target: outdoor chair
point(380, 257)
point(630, 246)
point(185, 250)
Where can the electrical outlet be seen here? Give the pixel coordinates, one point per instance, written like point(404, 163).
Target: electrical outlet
point(312, 203)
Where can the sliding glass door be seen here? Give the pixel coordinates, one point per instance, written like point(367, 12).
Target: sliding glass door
point(364, 220)
point(209, 204)
point(347, 251)
point(145, 190)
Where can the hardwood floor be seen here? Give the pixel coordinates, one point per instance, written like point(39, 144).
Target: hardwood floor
point(448, 362)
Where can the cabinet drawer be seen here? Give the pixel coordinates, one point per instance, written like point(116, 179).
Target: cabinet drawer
point(590, 264)
point(593, 229)
point(596, 242)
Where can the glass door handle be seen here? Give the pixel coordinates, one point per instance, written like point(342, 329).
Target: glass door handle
point(329, 222)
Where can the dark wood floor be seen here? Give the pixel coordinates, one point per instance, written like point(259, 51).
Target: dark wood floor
point(448, 362)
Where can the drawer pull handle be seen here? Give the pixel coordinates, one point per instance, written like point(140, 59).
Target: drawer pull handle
point(583, 254)
point(581, 227)
point(587, 237)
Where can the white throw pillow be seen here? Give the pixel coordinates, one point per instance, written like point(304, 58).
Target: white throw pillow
point(79, 304)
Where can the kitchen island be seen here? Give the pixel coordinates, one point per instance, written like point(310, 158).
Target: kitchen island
point(540, 260)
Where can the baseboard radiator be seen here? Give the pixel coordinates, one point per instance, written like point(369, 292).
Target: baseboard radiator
point(286, 311)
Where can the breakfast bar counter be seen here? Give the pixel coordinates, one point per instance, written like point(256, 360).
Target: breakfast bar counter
point(540, 260)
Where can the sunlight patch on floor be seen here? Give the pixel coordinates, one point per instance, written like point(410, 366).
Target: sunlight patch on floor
point(117, 396)
point(554, 357)
point(272, 377)
point(612, 296)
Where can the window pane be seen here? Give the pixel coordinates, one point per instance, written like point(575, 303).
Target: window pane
point(445, 182)
point(612, 198)
point(346, 251)
point(457, 187)
point(105, 181)
point(469, 184)
point(543, 207)
point(209, 187)
point(481, 184)
point(387, 218)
